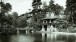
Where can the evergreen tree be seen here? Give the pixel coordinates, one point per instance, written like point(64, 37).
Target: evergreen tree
point(54, 7)
point(37, 13)
point(51, 6)
point(36, 4)
point(36, 9)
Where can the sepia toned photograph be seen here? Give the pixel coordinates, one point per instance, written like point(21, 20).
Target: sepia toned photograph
point(37, 20)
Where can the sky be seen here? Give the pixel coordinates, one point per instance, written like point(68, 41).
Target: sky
point(23, 6)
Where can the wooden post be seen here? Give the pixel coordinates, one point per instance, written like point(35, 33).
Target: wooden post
point(43, 28)
point(48, 28)
point(50, 21)
point(46, 21)
point(26, 31)
point(52, 28)
point(17, 31)
point(43, 22)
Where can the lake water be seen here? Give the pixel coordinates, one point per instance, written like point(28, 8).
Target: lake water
point(38, 37)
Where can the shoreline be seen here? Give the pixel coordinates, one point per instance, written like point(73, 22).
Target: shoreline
point(63, 33)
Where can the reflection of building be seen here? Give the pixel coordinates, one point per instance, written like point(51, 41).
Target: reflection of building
point(0, 9)
point(48, 22)
point(47, 37)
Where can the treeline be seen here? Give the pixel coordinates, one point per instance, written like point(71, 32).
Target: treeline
point(8, 20)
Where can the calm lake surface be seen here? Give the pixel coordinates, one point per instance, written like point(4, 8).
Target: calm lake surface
point(38, 37)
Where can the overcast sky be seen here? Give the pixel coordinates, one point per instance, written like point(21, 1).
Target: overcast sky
point(22, 6)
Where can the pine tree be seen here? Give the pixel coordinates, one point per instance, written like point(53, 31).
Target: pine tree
point(36, 4)
point(37, 13)
point(54, 7)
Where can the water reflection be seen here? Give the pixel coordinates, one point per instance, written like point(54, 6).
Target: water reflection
point(22, 38)
point(38, 37)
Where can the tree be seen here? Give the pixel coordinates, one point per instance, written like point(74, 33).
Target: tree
point(15, 15)
point(21, 21)
point(36, 9)
point(9, 18)
point(51, 6)
point(36, 4)
point(37, 13)
point(5, 7)
point(54, 7)
point(58, 9)
point(71, 7)
point(14, 20)
point(44, 5)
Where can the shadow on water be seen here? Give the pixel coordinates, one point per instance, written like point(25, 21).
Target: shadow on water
point(38, 37)
point(4, 38)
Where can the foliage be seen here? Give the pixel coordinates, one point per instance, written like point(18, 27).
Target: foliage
point(71, 7)
point(21, 21)
point(54, 7)
point(5, 7)
point(14, 16)
point(36, 4)
point(39, 13)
